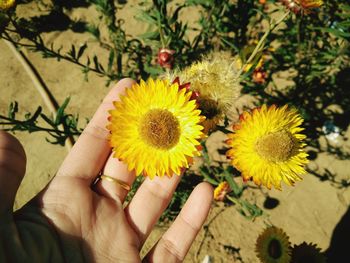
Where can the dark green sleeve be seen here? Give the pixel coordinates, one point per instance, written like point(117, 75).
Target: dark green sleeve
point(29, 236)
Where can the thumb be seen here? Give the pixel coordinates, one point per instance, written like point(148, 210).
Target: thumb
point(12, 169)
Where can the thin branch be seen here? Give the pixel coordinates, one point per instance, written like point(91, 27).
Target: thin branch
point(260, 46)
point(44, 92)
point(36, 127)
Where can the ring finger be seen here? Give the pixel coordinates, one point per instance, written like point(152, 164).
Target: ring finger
point(115, 180)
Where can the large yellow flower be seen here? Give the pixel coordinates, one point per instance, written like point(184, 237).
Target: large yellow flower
point(267, 146)
point(155, 128)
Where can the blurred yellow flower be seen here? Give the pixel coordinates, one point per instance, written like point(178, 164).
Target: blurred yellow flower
point(267, 146)
point(221, 190)
point(273, 246)
point(155, 128)
point(6, 4)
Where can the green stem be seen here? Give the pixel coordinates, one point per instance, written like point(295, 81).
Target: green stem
point(299, 34)
point(162, 39)
point(260, 46)
point(233, 200)
point(37, 46)
point(237, 191)
point(35, 128)
point(39, 85)
point(209, 179)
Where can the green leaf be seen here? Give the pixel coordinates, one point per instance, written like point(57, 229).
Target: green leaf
point(205, 172)
point(48, 120)
point(60, 111)
point(335, 32)
point(345, 7)
point(33, 118)
point(233, 185)
point(93, 30)
point(110, 60)
point(81, 51)
point(200, 2)
point(152, 70)
point(145, 17)
point(97, 65)
point(72, 52)
point(250, 211)
point(13, 109)
point(150, 35)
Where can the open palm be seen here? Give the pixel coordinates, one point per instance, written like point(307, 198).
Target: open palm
point(70, 222)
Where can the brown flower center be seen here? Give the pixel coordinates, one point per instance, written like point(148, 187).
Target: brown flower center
point(160, 129)
point(275, 249)
point(277, 147)
point(208, 107)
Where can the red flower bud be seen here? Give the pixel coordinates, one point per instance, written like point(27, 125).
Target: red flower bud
point(166, 58)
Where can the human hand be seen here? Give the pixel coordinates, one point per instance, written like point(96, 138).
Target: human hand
point(70, 222)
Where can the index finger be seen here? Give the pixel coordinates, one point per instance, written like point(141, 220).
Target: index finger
point(90, 152)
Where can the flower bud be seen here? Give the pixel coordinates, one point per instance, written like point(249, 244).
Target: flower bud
point(166, 58)
point(221, 191)
point(259, 76)
point(301, 6)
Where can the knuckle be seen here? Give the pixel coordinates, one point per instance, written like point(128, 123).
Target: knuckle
point(96, 131)
point(172, 250)
point(159, 192)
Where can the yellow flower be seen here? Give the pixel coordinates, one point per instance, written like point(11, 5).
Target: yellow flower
point(221, 190)
point(267, 146)
point(214, 79)
point(155, 128)
point(272, 246)
point(6, 4)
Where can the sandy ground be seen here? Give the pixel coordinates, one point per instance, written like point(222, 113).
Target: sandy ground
point(309, 212)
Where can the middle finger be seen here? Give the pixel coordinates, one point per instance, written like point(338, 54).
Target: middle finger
point(149, 202)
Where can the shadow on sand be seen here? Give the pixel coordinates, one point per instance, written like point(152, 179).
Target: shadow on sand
point(340, 243)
